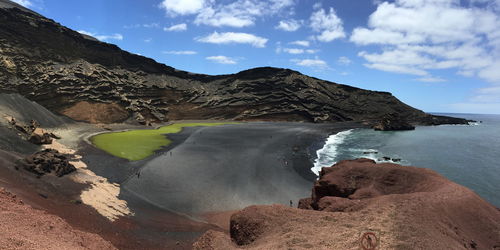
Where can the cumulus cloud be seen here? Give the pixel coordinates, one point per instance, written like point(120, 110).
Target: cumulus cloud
point(221, 59)
point(417, 36)
point(176, 27)
point(233, 37)
point(180, 52)
point(301, 43)
point(344, 60)
point(183, 7)
point(115, 36)
point(328, 24)
point(288, 25)
point(25, 3)
point(316, 63)
point(240, 13)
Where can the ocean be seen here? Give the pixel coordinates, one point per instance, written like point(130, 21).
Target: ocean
point(466, 154)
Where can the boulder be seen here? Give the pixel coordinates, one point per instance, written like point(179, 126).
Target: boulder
point(40, 139)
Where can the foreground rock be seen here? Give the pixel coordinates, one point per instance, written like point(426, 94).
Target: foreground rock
point(404, 207)
point(23, 227)
point(88, 80)
point(48, 161)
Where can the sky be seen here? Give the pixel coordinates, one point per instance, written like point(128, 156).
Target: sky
point(435, 55)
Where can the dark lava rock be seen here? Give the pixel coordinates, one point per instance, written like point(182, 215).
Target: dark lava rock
point(48, 161)
point(32, 133)
point(64, 70)
point(393, 122)
point(45, 138)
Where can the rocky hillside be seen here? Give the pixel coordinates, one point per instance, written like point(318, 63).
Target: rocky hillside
point(88, 80)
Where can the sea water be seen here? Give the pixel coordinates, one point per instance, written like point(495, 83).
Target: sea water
point(466, 154)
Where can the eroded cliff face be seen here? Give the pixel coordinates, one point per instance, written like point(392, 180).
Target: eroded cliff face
point(60, 68)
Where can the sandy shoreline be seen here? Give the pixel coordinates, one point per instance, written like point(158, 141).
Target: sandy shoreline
point(218, 162)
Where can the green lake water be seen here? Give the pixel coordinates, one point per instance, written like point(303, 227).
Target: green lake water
point(139, 144)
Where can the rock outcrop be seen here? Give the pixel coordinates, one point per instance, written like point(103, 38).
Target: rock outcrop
point(64, 71)
point(401, 207)
point(393, 122)
point(32, 132)
point(48, 161)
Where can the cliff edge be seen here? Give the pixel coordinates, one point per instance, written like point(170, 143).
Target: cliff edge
point(359, 202)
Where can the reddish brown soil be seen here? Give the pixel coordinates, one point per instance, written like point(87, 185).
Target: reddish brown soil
point(96, 112)
point(220, 219)
point(23, 227)
point(405, 207)
point(150, 228)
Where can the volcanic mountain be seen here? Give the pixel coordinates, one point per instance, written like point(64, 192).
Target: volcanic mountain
point(88, 80)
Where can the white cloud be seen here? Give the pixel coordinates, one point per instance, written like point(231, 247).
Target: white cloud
point(293, 51)
point(328, 24)
point(491, 72)
point(148, 40)
point(416, 36)
point(240, 13)
point(180, 52)
point(430, 79)
point(221, 59)
point(396, 68)
point(301, 43)
point(233, 37)
point(344, 60)
point(115, 36)
point(145, 25)
point(25, 3)
point(297, 51)
point(289, 25)
point(316, 63)
point(182, 7)
point(176, 27)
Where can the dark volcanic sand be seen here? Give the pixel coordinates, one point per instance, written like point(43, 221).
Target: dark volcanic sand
point(232, 166)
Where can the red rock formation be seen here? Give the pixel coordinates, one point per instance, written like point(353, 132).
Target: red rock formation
point(405, 208)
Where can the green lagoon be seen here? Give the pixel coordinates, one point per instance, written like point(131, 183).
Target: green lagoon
point(139, 144)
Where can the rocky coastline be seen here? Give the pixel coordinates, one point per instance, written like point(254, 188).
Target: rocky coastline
point(401, 207)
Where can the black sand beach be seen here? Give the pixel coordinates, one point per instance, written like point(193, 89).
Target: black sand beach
point(232, 166)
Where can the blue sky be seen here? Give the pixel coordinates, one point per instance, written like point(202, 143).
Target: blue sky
point(435, 55)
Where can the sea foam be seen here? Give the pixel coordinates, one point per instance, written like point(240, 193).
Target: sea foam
point(326, 156)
